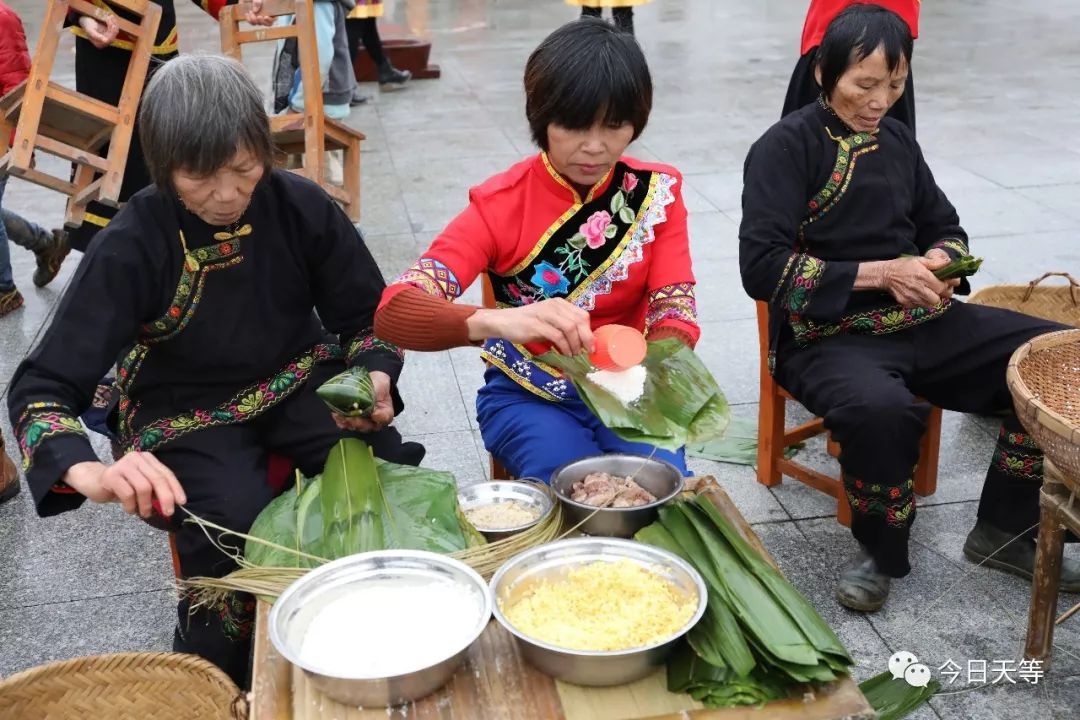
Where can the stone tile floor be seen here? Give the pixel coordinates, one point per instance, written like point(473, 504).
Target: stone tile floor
point(994, 81)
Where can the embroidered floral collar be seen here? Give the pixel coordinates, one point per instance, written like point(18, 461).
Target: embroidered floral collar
point(560, 185)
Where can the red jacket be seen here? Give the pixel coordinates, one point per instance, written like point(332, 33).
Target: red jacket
point(822, 12)
point(14, 57)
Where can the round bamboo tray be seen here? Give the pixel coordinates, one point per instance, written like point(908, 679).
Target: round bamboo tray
point(1059, 304)
point(1044, 379)
point(123, 686)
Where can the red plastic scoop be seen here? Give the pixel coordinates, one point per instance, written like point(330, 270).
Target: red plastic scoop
point(618, 347)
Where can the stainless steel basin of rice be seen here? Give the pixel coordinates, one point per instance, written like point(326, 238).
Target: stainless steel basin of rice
point(419, 578)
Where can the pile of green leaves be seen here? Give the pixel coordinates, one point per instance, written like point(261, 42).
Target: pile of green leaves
point(758, 635)
point(893, 698)
point(681, 403)
point(350, 393)
point(738, 446)
point(358, 504)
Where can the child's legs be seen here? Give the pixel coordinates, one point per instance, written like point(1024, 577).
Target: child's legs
point(7, 282)
point(325, 14)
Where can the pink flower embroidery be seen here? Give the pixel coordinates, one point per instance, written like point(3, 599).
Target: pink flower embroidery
point(593, 229)
point(629, 182)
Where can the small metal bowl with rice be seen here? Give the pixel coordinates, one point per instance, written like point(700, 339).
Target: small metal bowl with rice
point(381, 628)
point(578, 592)
point(501, 508)
point(662, 480)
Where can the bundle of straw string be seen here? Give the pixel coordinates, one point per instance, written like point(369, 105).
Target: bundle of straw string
point(269, 582)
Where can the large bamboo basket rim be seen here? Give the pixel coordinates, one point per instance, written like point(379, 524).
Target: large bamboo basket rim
point(1032, 406)
point(55, 688)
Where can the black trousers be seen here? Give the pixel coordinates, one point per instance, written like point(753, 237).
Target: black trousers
point(100, 74)
point(866, 388)
point(364, 31)
point(803, 90)
point(223, 471)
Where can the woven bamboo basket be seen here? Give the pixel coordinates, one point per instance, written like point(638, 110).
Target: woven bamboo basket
point(123, 686)
point(1044, 379)
point(1059, 304)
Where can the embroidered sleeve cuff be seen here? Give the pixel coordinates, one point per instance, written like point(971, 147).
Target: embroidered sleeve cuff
point(815, 288)
point(370, 352)
point(51, 461)
point(686, 333)
point(955, 248)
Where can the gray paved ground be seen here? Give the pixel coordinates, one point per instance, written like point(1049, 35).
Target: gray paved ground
point(998, 120)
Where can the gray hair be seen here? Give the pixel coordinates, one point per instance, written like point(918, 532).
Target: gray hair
point(197, 112)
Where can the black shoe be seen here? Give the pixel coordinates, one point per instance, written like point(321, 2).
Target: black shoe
point(358, 98)
point(390, 78)
point(50, 259)
point(1017, 558)
point(861, 586)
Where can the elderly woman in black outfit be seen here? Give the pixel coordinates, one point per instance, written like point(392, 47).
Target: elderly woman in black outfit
point(842, 228)
point(227, 292)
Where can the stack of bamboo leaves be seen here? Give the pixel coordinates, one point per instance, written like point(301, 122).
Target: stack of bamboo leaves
point(758, 636)
point(359, 504)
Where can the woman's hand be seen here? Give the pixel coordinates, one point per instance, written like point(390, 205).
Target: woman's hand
point(911, 280)
point(135, 481)
point(100, 32)
point(380, 417)
point(555, 321)
point(254, 16)
point(941, 258)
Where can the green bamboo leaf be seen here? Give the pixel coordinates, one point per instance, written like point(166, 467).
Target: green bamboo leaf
point(893, 698)
point(351, 393)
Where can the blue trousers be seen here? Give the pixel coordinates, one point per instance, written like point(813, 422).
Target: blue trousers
point(533, 437)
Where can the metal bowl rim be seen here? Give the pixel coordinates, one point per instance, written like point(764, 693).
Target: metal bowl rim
point(549, 505)
point(659, 501)
point(695, 576)
point(475, 580)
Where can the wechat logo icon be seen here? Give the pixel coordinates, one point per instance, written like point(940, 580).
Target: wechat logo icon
point(904, 665)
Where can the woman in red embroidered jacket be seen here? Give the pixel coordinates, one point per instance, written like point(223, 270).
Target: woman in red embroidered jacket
point(228, 292)
point(804, 89)
point(842, 228)
point(571, 239)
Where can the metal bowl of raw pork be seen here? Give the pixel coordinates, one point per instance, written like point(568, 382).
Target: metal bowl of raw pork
point(615, 495)
point(381, 628)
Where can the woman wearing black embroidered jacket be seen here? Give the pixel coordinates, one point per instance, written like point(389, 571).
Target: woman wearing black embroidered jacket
point(205, 288)
point(835, 196)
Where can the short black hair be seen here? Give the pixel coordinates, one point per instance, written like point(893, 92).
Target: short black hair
point(857, 32)
point(197, 112)
point(585, 71)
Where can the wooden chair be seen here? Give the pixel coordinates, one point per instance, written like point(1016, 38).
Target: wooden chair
point(498, 471)
point(62, 122)
point(774, 437)
point(310, 133)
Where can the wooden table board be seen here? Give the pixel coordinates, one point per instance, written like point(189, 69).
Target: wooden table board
point(495, 683)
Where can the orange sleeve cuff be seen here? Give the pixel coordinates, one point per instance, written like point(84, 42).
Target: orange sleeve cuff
point(414, 320)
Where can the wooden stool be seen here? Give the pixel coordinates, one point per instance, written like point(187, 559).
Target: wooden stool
point(774, 437)
point(1059, 510)
point(62, 122)
point(310, 133)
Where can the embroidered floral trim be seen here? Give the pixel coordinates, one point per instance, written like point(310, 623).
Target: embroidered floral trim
point(1016, 439)
point(955, 244)
point(433, 277)
point(882, 321)
point(197, 264)
point(806, 276)
point(671, 302)
point(535, 377)
point(41, 421)
point(783, 277)
point(367, 342)
point(653, 212)
point(247, 404)
point(1016, 454)
point(895, 503)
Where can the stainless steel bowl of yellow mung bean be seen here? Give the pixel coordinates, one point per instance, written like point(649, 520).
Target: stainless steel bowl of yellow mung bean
point(597, 611)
